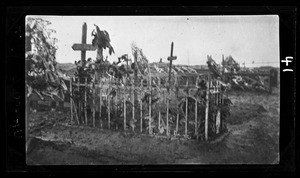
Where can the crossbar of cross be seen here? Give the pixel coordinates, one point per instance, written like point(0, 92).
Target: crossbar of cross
point(83, 47)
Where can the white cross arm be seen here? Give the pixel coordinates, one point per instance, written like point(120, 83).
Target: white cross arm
point(83, 47)
point(172, 58)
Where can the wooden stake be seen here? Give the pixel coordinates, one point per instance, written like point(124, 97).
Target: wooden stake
point(133, 106)
point(124, 113)
point(85, 102)
point(218, 121)
point(100, 103)
point(159, 113)
point(71, 96)
point(79, 103)
point(141, 107)
point(134, 85)
point(168, 105)
point(221, 103)
point(170, 58)
point(207, 108)
point(218, 94)
point(75, 110)
point(150, 98)
point(94, 100)
point(219, 128)
point(116, 101)
point(196, 112)
point(186, 114)
point(177, 118)
point(215, 94)
point(108, 110)
point(141, 113)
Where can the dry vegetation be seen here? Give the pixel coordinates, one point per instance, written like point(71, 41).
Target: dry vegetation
point(252, 137)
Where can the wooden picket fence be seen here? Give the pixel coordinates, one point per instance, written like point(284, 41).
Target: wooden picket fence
point(141, 113)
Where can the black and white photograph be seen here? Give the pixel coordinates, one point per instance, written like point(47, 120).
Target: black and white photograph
point(152, 90)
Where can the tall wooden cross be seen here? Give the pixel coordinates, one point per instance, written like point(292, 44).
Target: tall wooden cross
point(83, 47)
point(171, 58)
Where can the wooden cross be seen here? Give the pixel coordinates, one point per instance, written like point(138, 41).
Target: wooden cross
point(83, 47)
point(171, 58)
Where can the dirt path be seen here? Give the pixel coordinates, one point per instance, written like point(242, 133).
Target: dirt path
point(252, 137)
point(254, 128)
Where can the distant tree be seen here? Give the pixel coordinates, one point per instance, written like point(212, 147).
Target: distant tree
point(40, 71)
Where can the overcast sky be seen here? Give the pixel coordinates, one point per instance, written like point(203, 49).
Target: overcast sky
point(245, 38)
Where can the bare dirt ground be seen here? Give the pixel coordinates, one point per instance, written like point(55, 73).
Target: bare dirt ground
point(252, 137)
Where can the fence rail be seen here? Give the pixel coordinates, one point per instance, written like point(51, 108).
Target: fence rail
point(112, 100)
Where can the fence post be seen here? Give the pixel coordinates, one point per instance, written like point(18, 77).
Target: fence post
point(71, 96)
point(221, 103)
point(108, 109)
point(85, 100)
point(134, 84)
point(79, 104)
point(150, 99)
point(133, 103)
point(215, 93)
point(141, 106)
point(207, 107)
point(196, 113)
point(100, 103)
point(186, 116)
point(186, 108)
point(218, 118)
point(141, 113)
point(159, 113)
point(218, 122)
point(117, 100)
point(94, 95)
point(76, 114)
point(124, 108)
point(168, 105)
point(177, 118)
point(218, 92)
point(133, 106)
